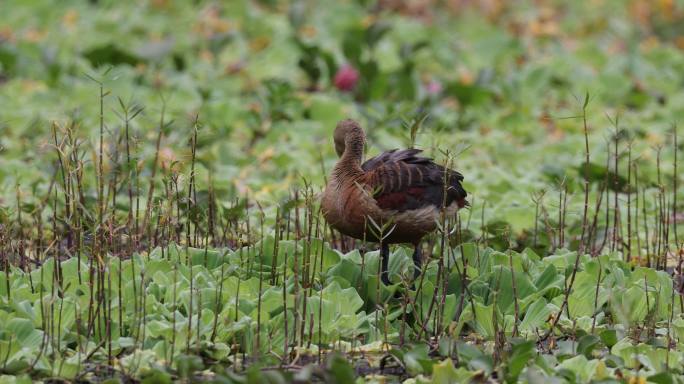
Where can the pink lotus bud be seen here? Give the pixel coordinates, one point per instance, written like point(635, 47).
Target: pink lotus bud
point(346, 78)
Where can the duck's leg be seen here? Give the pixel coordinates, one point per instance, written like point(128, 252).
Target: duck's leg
point(417, 261)
point(384, 261)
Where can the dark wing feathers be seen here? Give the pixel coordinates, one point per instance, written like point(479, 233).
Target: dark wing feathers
point(402, 180)
point(394, 155)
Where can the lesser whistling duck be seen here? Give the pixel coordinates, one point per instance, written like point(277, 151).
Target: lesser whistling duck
point(396, 187)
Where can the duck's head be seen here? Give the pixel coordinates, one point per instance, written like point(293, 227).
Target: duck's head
point(348, 133)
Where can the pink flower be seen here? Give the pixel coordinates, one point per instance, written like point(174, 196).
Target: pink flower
point(346, 78)
point(434, 87)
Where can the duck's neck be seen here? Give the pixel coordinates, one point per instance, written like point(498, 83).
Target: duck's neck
point(349, 165)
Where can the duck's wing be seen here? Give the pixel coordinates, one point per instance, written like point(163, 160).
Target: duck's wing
point(402, 180)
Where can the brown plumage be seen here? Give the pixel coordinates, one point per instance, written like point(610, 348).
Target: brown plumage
point(397, 189)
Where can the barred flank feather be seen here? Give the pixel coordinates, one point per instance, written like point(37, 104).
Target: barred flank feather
point(403, 181)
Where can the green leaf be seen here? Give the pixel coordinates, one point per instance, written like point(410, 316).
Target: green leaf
point(582, 369)
point(609, 337)
point(482, 363)
point(547, 277)
point(444, 372)
point(586, 345)
point(599, 174)
point(662, 378)
point(535, 316)
point(187, 365)
point(25, 334)
point(416, 360)
point(347, 270)
point(469, 94)
point(351, 45)
point(375, 32)
point(156, 376)
point(484, 320)
point(503, 280)
point(110, 54)
point(467, 352)
point(339, 370)
point(520, 355)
